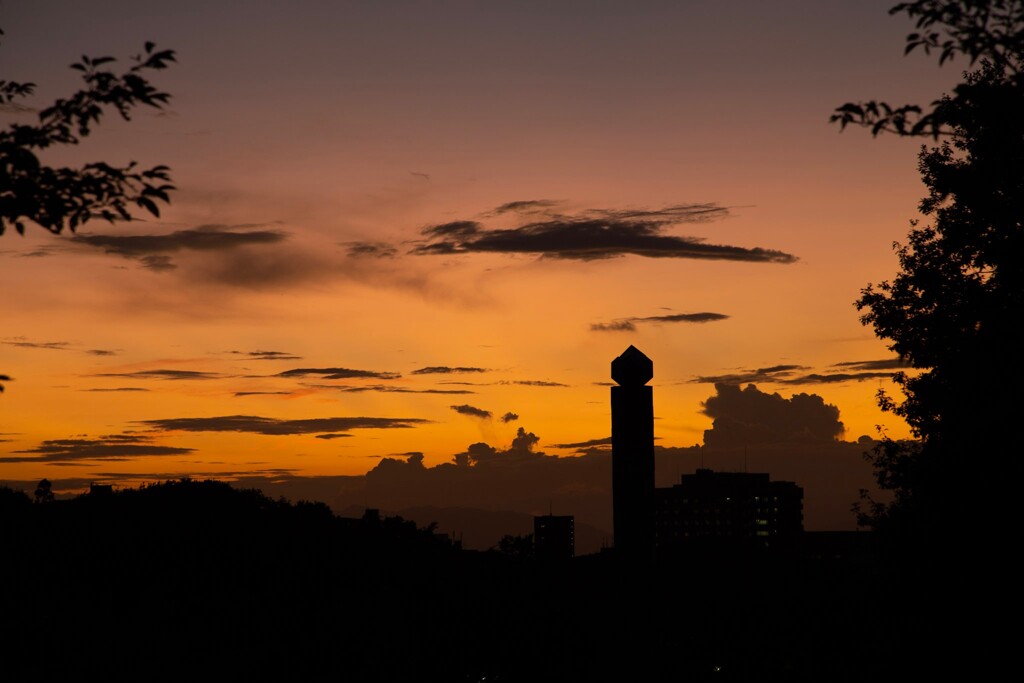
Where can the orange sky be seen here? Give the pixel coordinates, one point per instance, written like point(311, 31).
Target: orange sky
point(299, 130)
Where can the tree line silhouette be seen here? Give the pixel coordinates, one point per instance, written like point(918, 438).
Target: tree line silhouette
point(186, 578)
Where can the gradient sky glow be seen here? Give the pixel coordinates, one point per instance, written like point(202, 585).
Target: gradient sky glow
point(315, 146)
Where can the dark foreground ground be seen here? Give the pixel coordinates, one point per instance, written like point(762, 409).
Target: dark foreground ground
point(196, 580)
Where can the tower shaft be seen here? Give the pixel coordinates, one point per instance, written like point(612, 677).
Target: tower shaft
point(633, 455)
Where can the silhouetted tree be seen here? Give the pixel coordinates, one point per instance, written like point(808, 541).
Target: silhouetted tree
point(59, 197)
point(44, 491)
point(953, 311)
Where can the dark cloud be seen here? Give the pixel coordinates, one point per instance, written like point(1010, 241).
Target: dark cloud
point(110, 447)
point(337, 373)
point(596, 234)
point(332, 435)
point(471, 411)
point(524, 442)
point(162, 374)
point(751, 417)
point(885, 364)
point(370, 249)
point(445, 370)
point(101, 352)
point(261, 393)
point(509, 417)
point(629, 324)
point(533, 383)
point(266, 355)
point(153, 251)
point(775, 373)
point(115, 389)
point(272, 426)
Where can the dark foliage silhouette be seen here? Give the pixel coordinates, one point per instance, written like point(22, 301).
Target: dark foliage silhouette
point(953, 310)
point(516, 546)
point(44, 491)
point(952, 314)
point(56, 198)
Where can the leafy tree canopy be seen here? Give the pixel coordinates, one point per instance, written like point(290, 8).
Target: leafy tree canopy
point(59, 197)
point(953, 309)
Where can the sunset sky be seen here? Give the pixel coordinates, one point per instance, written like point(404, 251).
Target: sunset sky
point(411, 226)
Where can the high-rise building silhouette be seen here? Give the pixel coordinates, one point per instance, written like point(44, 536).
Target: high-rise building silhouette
point(554, 537)
point(633, 455)
point(738, 507)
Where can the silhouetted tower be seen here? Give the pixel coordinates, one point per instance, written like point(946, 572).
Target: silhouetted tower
point(633, 454)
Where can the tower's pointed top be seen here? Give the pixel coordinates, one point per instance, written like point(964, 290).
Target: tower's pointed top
point(632, 368)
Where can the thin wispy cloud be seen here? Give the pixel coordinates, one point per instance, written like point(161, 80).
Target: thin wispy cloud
point(795, 375)
point(629, 324)
point(606, 441)
point(115, 389)
point(446, 370)
point(774, 373)
point(838, 377)
point(337, 373)
point(109, 447)
point(528, 206)
point(884, 364)
point(370, 249)
point(162, 374)
point(385, 389)
point(265, 355)
point(23, 343)
point(255, 424)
